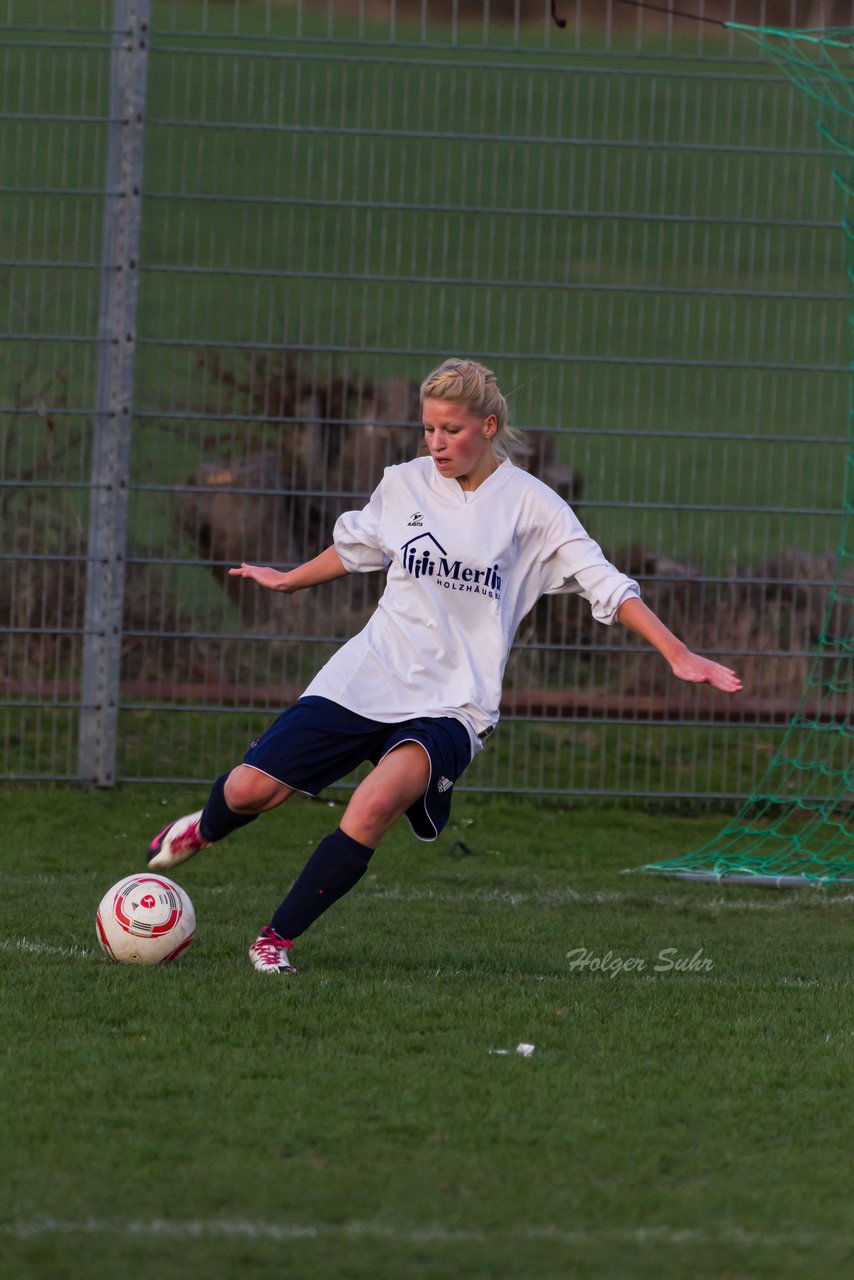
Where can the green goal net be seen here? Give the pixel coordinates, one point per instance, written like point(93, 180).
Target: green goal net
point(798, 826)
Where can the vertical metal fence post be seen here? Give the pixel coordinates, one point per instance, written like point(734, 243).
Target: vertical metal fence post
point(111, 429)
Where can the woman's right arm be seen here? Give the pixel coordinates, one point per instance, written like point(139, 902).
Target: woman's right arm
point(323, 568)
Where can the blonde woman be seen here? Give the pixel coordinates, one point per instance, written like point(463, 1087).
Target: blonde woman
point(468, 542)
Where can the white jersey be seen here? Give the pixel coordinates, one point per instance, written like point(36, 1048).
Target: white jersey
point(463, 570)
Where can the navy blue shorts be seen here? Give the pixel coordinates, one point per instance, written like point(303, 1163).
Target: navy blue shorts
point(317, 742)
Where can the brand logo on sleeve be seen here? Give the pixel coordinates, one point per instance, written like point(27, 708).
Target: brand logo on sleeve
point(424, 557)
point(416, 520)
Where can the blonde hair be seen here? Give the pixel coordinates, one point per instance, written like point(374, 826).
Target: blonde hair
point(473, 385)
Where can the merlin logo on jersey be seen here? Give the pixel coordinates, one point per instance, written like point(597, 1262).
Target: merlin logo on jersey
point(425, 557)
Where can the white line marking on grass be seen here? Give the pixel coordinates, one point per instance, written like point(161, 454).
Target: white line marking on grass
point(42, 948)
point(246, 1229)
point(602, 897)
point(788, 899)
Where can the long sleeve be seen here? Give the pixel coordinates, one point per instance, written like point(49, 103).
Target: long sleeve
point(358, 539)
point(577, 564)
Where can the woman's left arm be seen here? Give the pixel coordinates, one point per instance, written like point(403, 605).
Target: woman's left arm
point(635, 615)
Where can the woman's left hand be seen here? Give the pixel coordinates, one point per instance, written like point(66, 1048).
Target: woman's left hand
point(699, 670)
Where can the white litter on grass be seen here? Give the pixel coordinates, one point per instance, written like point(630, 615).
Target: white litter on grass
point(524, 1050)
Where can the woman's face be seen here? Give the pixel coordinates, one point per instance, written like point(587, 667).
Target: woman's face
point(460, 442)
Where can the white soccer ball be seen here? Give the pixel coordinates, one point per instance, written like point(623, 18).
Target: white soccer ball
point(145, 919)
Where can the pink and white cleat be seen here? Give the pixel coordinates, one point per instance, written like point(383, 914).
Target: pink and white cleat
point(269, 953)
point(176, 843)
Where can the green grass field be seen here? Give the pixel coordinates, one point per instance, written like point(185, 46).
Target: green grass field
point(672, 1123)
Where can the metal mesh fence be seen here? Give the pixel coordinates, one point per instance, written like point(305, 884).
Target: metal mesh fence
point(627, 218)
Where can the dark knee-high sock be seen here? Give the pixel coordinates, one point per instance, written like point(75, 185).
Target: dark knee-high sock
point(217, 820)
point(336, 865)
